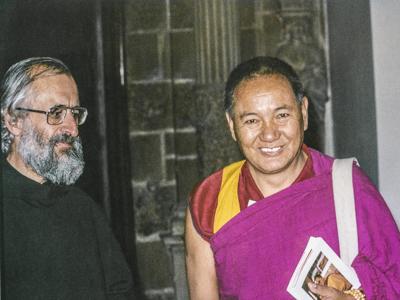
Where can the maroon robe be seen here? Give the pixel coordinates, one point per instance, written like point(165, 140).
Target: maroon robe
point(257, 251)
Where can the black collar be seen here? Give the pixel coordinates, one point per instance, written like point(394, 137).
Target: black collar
point(19, 187)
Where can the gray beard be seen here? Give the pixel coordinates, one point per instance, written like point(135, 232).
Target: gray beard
point(40, 155)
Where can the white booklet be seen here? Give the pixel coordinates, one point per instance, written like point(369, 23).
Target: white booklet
point(320, 264)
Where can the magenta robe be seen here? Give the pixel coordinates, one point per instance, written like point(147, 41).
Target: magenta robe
point(257, 251)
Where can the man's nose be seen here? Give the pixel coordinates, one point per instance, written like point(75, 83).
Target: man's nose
point(269, 131)
point(69, 124)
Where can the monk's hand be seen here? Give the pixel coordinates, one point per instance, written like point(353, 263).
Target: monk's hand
point(328, 293)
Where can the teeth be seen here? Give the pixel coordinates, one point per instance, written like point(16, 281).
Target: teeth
point(270, 150)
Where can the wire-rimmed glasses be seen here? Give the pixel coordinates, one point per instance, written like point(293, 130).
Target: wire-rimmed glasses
point(56, 114)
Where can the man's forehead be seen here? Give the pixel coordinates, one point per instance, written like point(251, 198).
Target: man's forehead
point(263, 84)
point(37, 69)
point(55, 89)
point(274, 77)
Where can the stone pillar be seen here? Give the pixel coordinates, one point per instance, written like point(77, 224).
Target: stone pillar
point(217, 39)
point(294, 31)
point(217, 52)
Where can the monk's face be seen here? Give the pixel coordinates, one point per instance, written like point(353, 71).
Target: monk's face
point(268, 124)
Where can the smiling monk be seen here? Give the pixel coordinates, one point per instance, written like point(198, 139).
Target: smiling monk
point(248, 224)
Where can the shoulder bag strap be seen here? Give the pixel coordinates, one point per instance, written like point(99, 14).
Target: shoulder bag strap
point(343, 193)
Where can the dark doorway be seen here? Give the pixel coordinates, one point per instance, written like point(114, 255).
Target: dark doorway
point(88, 36)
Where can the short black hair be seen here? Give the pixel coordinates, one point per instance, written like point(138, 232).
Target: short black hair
point(261, 66)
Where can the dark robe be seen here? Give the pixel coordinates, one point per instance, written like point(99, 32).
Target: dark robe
point(57, 244)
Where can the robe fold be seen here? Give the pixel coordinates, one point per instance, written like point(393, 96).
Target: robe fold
point(257, 251)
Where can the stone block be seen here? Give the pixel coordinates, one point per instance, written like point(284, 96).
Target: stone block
point(247, 44)
point(183, 55)
point(272, 32)
point(246, 13)
point(271, 5)
point(146, 157)
point(297, 5)
point(166, 199)
point(185, 143)
point(170, 165)
point(145, 14)
point(161, 295)
point(169, 143)
point(142, 57)
point(149, 106)
point(182, 13)
point(154, 265)
point(187, 177)
point(154, 207)
point(216, 146)
point(183, 101)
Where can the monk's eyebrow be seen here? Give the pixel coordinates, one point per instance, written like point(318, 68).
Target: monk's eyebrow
point(288, 107)
point(246, 114)
point(283, 107)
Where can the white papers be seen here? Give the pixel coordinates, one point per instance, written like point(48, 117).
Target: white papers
point(319, 263)
point(251, 202)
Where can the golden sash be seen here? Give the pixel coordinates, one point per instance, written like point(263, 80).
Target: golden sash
point(228, 200)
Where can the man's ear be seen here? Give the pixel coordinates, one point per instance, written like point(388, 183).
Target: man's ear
point(304, 112)
point(13, 124)
point(231, 125)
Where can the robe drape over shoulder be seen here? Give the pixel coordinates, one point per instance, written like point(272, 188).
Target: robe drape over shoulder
point(257, 251)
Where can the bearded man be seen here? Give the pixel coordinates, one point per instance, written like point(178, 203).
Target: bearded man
point(57, 243)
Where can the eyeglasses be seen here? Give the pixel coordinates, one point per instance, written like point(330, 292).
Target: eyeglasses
point(56, 114)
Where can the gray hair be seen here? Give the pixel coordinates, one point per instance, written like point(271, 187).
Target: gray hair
point(15, 88)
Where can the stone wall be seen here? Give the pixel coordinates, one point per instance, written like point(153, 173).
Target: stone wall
point(161, 69)
point(177, 126)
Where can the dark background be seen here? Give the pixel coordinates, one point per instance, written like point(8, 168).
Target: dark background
point(87, 36)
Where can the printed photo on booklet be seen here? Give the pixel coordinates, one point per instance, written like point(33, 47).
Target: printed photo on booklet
point(320, 264)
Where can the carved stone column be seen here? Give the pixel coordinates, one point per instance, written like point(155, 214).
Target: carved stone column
point(293, 30)
point(217, 39)
point(303, 48)
point(217, 52)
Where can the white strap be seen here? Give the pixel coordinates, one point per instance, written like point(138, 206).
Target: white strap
point(342, 177)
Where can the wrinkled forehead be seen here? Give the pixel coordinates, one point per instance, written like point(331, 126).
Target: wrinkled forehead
point(50, 88)
point(37, 71)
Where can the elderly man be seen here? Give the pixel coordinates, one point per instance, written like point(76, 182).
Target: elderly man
point(248, 224)
point(57, 243)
